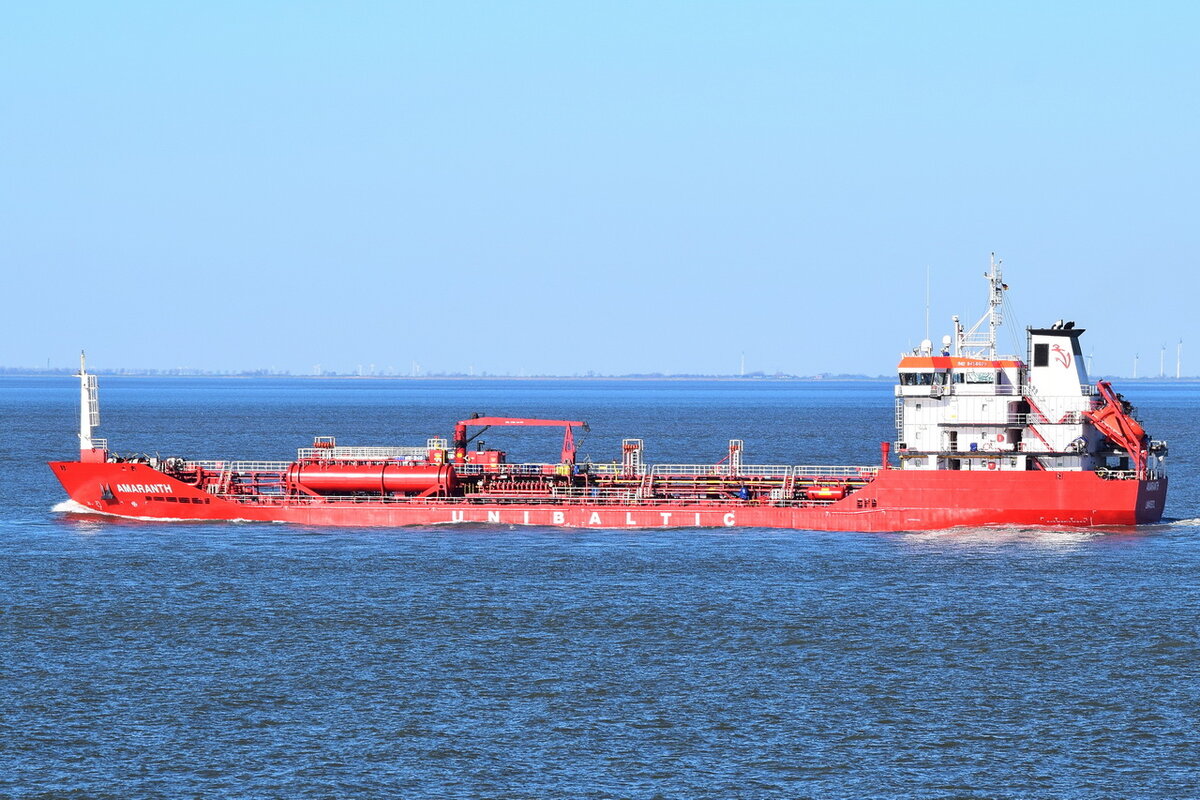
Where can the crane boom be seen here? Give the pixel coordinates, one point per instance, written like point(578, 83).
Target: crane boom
point(489, 421)
point(568, 447)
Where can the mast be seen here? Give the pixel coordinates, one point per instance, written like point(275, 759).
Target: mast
point(995, 304)
point(979, 342)
point(89, 404)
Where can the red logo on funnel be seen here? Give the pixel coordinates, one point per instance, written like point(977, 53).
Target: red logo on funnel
point(1061, 355)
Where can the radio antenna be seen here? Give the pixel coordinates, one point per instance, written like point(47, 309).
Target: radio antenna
point(926, 301)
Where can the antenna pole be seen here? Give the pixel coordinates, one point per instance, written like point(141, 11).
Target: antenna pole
point(85, 416)
point(926, 301)
point(995, 303)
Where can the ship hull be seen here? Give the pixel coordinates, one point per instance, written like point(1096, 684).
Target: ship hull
point(895, 500)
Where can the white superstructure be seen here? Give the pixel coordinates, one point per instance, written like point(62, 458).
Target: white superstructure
point(967, 408)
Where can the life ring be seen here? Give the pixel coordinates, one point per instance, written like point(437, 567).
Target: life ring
point(991, 465)
point(999, 437)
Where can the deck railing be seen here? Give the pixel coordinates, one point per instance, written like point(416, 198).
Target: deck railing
point(515, 498)
point(982, 390)
point(835, 472)
point(362, 453)
point(503, 469)
point(237, 466)
point(720, 470)
point(605, 470)
point(1013, 420)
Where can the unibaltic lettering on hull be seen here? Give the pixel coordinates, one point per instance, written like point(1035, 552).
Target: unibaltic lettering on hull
point(627, 519)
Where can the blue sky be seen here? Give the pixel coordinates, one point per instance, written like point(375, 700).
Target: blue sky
point(565, 187)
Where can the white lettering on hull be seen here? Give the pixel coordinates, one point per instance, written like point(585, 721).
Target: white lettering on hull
point(146, 488)
point(729, 519)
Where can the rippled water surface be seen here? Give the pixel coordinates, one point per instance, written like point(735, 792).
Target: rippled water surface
point(195, 660)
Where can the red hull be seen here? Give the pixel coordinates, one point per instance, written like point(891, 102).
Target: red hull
point(896, 500)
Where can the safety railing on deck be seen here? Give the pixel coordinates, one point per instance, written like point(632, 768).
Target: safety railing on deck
point(626, 498)
point(983, 390)
point(625, 494)
point(720, 470)
point(503, 469)
point(607, 470)
point(834, 472)
point(1023, 390)
point(761, 470)
point(237, 466)
point(1013, 420)
point(362, 453)
point(603, 468)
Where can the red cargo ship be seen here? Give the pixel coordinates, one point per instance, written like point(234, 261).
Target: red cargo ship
point(983, 440)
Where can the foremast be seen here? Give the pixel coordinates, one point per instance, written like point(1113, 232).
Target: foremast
point(91, 449)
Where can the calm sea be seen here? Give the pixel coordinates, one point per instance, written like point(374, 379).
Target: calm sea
point(244, 660)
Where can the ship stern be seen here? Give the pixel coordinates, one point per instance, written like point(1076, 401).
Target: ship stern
point(1151, 500)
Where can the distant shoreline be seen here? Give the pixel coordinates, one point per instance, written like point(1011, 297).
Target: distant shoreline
point(17, 372)
point(756, 378)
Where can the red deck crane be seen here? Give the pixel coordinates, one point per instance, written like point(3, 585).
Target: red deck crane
point(568, 446)
point(1113, 420)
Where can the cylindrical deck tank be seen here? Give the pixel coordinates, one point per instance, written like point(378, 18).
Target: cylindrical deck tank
point(390, 478)
point(826, 492)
